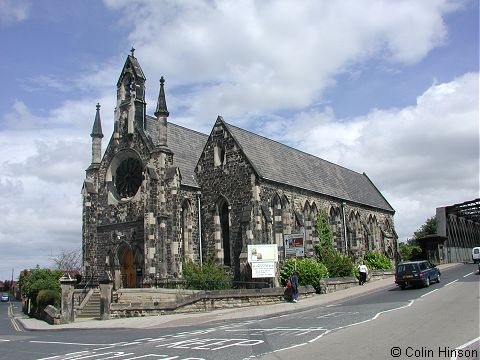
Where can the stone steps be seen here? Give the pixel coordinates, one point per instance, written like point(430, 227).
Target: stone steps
point(92, 307)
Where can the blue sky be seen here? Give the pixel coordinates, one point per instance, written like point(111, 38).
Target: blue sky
point(386, 88)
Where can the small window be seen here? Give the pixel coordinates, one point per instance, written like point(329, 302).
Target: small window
point(219, 155)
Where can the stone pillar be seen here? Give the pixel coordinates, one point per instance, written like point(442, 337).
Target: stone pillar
point(67, 284)
point(106, 289)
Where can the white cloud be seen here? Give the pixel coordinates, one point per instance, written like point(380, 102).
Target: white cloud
point(12, 11)
point(421, 156)
point(236, 56)
point(42, 166)
point(249, 61)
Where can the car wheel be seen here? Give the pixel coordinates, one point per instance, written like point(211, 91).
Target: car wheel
point(402, 287)
point(427, 282)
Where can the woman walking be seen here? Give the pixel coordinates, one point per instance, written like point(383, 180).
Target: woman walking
point(294, 280)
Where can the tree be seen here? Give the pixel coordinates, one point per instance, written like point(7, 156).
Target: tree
point(67, 260)
point(324, 230)
point(409, 250)
point(32, 282)
point(429, 228)
point(337, 263)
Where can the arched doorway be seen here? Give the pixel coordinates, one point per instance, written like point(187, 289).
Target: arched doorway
point(128, 269)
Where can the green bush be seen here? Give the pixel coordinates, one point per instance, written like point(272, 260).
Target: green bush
point(377, 261)
point(208, 277)
point(32, 282)
point(409, 251)
point(338, 264)
point(48, 297)
point(310, 271)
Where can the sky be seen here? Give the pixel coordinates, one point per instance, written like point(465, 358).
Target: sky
point(389, 88)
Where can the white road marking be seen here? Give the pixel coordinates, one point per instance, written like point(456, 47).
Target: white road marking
point(210, 344)
point(117, 355)
point(319, 336)
point(72, 343)
point(277, 329)
point(454, 357)
point(337, 314)
point(451, 282)
point(4, 340)
point(429, 293)
point(291, 347)
point(69, 355)
point(468, 274)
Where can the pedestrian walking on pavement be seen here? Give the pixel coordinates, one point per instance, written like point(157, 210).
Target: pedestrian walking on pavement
point(363, 272)
point(294, 280)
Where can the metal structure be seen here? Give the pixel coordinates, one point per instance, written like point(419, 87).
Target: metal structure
point(460, 224)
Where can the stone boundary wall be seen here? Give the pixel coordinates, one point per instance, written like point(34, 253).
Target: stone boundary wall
point(51, 315)
point(196, 301)
point(335, 284)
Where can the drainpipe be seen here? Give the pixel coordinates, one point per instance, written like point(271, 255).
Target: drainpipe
point(345, 227)
point(199, 194)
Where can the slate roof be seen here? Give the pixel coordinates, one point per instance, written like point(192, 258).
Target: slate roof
point(186, 144)
point(283, 164)
point(275, 162)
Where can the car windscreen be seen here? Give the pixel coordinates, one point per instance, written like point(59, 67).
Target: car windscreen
point(406, 268)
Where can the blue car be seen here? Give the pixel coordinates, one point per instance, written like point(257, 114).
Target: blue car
point(416, 273)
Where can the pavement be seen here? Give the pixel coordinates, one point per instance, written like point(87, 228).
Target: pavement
point(176, 320)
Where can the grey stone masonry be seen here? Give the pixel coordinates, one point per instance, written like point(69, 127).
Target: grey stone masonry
point(163, 194)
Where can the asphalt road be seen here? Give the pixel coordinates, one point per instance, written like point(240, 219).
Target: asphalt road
point(445, 315)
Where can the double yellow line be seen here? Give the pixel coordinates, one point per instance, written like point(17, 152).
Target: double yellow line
point(14, 322)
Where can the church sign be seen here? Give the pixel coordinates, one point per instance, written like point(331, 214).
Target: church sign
point(262, 253)
point(262, 258)
point(263, 270)
point(294, 246)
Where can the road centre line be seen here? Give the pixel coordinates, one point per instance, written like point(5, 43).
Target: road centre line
point(429, 293)
point(4, 340)
point(468, 274)
point(451, 282)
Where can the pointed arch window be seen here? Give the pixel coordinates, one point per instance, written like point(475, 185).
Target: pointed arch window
point(186, 230)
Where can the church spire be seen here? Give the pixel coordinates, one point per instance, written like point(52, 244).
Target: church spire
point(97, 136)
point(162, 113)
point(97, 124)
point(161, 103)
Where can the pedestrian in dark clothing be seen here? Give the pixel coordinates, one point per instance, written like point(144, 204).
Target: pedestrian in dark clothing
point(294, 280)
point(288, 294)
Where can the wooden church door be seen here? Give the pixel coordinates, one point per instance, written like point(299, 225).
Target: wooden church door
point(128, 269)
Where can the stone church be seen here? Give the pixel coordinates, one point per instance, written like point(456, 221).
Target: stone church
point(162, 194)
